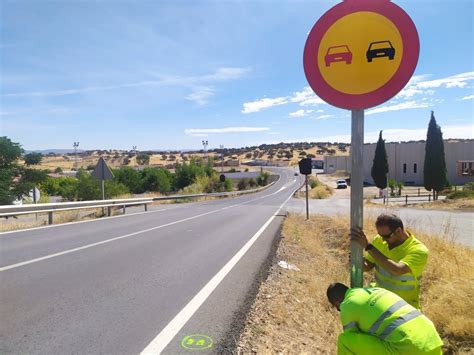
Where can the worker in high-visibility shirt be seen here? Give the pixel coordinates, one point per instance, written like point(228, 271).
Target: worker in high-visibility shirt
point(397, 256)
point(377, 322)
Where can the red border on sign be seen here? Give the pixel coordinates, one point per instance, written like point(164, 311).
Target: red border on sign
point(411, 50)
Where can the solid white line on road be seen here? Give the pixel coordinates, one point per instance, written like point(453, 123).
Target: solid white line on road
point(46, 257)
point(13, 266)
point(91, 220)
point(162, 340)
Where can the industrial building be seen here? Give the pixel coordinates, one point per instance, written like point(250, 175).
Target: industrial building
point(405, 161)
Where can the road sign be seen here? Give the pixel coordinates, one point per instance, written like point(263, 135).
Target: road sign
point(361, 53)
point(102, 171)
point(35, 194)
point(305, 166)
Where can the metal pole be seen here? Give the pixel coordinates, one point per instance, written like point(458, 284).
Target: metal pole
point(357, 179)
point(103, 189)
point(307, 203)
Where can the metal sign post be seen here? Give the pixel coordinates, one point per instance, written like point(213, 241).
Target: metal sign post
point(307, 202)
point(358, 55)
point(357, 183)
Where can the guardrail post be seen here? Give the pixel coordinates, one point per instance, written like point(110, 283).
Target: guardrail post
point(384, 200)
point(146, 207)
point(123, 209)
point(109, 211)
point(50, 217)
point(429, 198)
point(418, 192)
point(406, 200)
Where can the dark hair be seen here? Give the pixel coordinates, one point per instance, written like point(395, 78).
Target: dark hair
point(389, 220)
point(336, 291)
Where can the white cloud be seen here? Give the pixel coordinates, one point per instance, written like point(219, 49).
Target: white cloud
point(306, 97)
point(322, 117)
point(199, 132)
point(320, 111)
point(402, 106)
point(458, 80)
point(256, 106)
point(300, 113)
point(470, 97)
point(221, 74)
point(201, 95)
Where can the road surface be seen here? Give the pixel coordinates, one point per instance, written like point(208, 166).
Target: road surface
point(138, 283)
point(457, 226)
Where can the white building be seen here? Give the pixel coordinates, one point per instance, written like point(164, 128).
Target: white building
point(405, 162)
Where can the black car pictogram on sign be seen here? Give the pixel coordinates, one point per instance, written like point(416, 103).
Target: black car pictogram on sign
point(380, 49)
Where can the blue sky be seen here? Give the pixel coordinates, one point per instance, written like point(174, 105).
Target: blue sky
point(168, 74)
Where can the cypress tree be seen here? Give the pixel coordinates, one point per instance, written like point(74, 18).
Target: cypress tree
point(434, 171)
point(380, 164)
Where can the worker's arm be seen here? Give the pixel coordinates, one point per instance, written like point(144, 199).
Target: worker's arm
point(368, 265)
point(393, 267)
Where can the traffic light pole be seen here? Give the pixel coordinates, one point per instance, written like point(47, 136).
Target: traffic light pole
point(357, 183)
point(307, 203)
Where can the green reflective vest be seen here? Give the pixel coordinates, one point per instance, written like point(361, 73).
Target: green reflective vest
point(414, 254)
point(383, 314)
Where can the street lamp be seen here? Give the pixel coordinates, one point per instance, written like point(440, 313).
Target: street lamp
point(75, 145)
point(205, 144)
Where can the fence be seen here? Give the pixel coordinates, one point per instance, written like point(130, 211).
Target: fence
point(50, 208)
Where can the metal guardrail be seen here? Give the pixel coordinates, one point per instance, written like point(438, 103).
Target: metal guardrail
point(11, 210)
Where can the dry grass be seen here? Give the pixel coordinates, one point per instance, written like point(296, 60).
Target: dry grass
point(292, 315)
point(319, 191)
point(448, 204)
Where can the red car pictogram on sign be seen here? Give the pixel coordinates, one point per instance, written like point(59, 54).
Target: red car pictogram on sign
point(338, 54)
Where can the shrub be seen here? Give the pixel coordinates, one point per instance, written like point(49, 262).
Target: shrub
point(461, 194)
point(262, 180)
point(243, 184)
point(469, 186)
point(252, 182)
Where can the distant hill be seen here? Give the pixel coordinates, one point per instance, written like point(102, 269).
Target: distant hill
point(55, 151)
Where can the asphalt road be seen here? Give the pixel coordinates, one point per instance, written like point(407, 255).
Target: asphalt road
point(457, 226)
point(138, 283)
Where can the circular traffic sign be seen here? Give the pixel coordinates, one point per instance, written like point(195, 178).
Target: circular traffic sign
point(361, 53)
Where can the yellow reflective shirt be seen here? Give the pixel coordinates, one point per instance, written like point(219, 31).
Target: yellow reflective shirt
point(412, 253)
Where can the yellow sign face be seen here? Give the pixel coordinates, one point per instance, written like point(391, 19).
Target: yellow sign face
point(360, 53)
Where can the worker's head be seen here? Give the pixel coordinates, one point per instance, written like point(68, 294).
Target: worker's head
point(336, 293)
point(390, 228)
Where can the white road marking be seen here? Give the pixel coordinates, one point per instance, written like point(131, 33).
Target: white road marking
point(46, 257)
point(93, 220)
point(162, 340)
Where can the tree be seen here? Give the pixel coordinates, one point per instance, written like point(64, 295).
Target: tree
point(130, 178)
point(380, 164)
point(158, 180)
point(143, 159)
point(33, 158)
point(15, 180)
point(434, 170)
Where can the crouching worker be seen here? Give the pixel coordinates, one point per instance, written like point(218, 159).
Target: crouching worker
point(377, 322)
